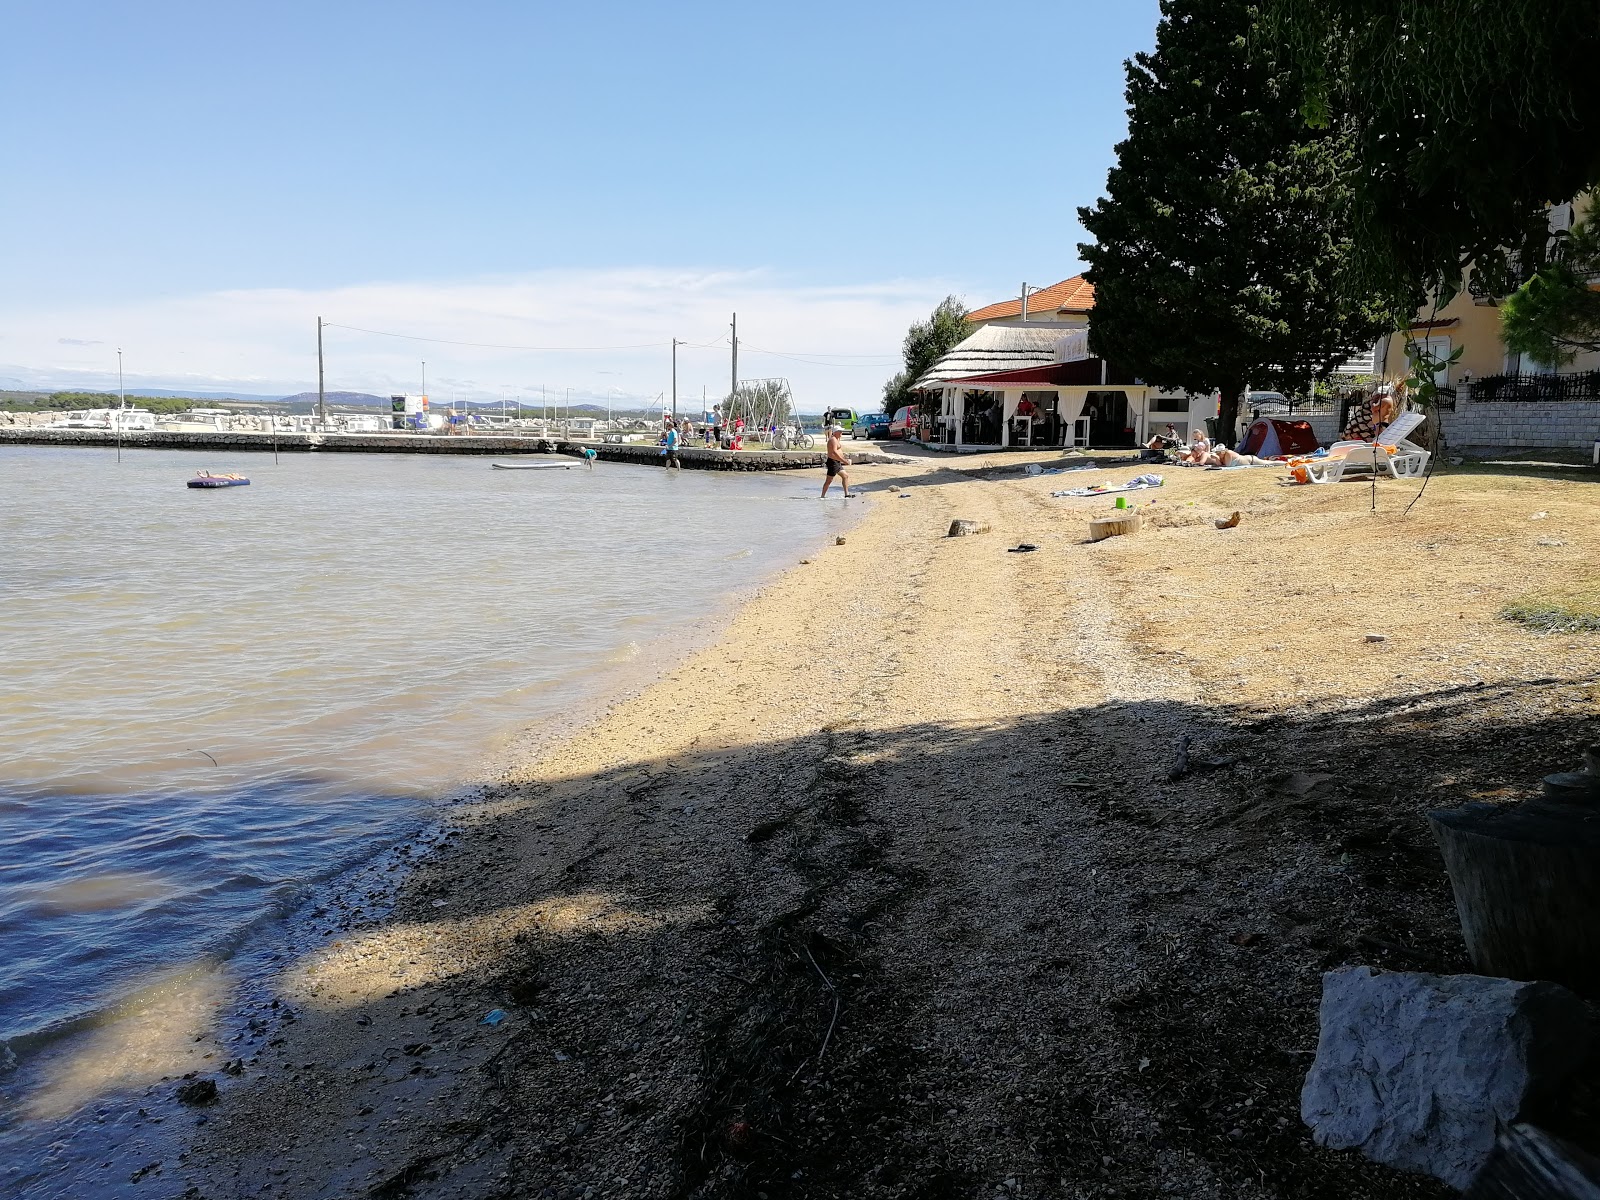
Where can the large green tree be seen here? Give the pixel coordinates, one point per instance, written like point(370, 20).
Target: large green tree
point(1555, 316)
point(926, 343)
point(1221, 244)
point(1469, 117)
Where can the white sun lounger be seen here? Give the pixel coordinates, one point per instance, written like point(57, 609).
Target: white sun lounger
point(1406, 461)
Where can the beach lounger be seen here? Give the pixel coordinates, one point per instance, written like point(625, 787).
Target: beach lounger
point(1390, 455)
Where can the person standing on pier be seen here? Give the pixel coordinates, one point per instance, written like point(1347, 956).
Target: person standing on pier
point(837, 461)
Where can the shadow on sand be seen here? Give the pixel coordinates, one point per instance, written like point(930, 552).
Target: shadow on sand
point(910, 961)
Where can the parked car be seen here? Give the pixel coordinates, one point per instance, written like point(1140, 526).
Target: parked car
point(873, 425)
point(844, 417)
point(1266, 402)
point(904, 423)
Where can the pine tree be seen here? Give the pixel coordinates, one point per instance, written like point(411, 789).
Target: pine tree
point(1221, 249)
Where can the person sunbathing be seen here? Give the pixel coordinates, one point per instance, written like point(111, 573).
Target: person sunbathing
point(1198, 452)
point(1224, 457)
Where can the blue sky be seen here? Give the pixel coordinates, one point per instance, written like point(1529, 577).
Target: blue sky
point(197, 182)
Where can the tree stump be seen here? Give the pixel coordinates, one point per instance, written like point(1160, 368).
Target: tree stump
point(966, 528)
point(1101, 528)
point(1526, 879)
point(1529, 1164)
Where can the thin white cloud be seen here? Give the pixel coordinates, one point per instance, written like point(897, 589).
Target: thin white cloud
point(263, 341)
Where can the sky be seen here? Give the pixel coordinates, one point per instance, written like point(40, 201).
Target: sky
point(565, 187)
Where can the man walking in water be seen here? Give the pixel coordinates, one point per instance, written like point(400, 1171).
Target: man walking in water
point(671, 450)
point(837, 462)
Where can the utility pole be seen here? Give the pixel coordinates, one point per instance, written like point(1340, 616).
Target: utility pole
point(674, 381)
point(1024, 301)
point(733, 383)
point(122, 403)
point(322, 396)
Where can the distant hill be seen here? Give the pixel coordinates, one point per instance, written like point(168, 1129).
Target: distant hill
point(166, 393)
point(347, 399)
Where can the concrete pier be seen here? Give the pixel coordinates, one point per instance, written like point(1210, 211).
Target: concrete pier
point(491, 445)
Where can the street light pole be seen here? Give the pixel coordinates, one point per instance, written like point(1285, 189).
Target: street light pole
point(322, 397)
point(674, 381)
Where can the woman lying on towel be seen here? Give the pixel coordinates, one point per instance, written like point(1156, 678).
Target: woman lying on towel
point(1223, 457)
point(1202, 453)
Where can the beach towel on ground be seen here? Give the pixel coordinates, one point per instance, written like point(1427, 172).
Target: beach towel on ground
point(1137, 484)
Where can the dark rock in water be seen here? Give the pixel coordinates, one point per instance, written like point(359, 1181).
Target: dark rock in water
point(197, 1092)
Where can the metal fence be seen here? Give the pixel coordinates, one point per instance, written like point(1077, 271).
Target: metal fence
point(1580, 385)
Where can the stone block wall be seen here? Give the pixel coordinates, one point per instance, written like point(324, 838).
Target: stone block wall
point(641, 454)
point(1553, 424)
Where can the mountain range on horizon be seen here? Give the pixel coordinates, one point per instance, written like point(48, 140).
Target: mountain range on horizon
point(343, 399)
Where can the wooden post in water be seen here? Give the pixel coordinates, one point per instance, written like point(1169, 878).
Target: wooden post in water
point(1526, 879)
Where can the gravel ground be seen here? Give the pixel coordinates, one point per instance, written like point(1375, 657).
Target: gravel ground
point(891, 891)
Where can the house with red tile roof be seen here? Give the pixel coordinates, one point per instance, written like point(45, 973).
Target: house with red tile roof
point(1065, 303)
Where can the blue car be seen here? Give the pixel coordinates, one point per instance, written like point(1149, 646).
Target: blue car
point(873, 425)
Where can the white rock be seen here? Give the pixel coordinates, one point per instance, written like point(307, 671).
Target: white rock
point(1417, 1071)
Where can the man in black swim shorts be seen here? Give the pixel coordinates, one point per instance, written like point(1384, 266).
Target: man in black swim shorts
point(836, 461)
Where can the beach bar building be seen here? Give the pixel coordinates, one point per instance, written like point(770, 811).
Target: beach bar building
point(1037, 385)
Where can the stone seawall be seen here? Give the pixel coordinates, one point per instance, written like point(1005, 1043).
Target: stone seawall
point(693, 458)
point(701, 459)
point(1498, 425)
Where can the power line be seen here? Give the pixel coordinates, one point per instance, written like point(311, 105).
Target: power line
point(875, 359)
point(812, 358)
point(820, 354)
point(412, 337)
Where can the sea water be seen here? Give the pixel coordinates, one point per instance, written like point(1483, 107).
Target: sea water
point(211, 700)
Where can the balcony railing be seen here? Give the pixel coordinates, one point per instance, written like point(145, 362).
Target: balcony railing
point(1580, 385)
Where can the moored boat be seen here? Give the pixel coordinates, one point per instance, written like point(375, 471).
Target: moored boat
point(205, 479)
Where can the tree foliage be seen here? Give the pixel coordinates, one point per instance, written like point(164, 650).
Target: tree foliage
point(926, 343)
point(1468, 119)
point(1555, 316)
point(62, 401)
point(760, 401)
point(1222, 247)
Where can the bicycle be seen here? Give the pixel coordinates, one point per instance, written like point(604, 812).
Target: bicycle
point(791, 437)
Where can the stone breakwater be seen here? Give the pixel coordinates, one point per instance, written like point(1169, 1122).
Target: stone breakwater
point(693, 458)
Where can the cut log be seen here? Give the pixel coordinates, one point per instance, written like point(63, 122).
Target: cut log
point(1101, 528)
point(966, 528)
point(1529, 1164)
point(1526, 879)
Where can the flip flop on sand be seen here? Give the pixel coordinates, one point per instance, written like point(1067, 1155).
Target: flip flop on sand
point(1023, 548)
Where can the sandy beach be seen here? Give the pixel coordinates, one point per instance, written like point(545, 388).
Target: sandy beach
point(900, 889)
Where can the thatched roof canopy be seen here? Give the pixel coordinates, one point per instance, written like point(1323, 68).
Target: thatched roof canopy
point(996, 348)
